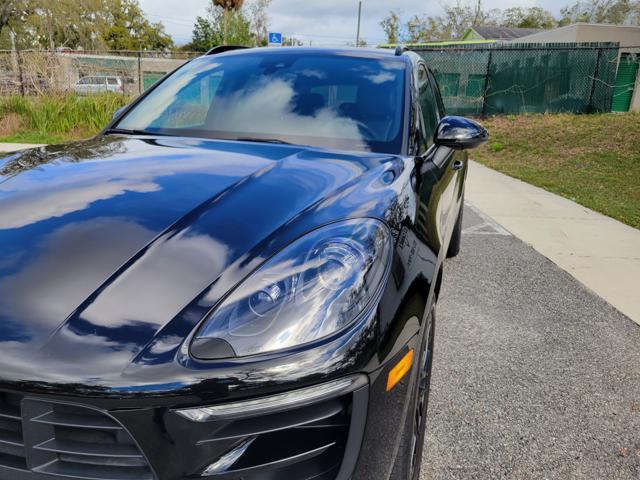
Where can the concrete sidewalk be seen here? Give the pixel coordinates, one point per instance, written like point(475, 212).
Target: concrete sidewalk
point(600, 252)
point(13, 147)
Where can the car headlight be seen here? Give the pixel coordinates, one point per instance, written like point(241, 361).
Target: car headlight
point(315, 287)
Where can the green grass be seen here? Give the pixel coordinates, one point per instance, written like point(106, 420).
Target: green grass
point(593, 160)
point(55, 119)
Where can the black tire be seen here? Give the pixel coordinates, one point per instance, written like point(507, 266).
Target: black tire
point(456, 236)
point(409, 458)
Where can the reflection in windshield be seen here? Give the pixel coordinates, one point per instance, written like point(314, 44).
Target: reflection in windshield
point(273, 100)
point(313, 99)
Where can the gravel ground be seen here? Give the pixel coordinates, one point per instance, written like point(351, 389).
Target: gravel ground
point(535, 377)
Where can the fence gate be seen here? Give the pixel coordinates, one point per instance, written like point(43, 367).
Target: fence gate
point(625, 82)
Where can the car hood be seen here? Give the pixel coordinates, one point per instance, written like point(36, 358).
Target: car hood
point(113, 249)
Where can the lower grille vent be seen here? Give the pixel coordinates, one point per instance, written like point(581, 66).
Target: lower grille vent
point(303, 443)
point(12, 452)
point(62, 440)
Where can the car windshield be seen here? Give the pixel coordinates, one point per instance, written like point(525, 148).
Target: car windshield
point(339, 100)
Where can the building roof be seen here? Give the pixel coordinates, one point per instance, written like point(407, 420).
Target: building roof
point(442, 43)
point(625, 35)
point(503, 33)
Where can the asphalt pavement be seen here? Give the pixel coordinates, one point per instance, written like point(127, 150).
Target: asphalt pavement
point(534, 377)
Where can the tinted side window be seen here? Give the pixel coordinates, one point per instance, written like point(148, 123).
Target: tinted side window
point(428, 105)
point(438, 94)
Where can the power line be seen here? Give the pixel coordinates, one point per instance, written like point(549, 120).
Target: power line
point(172, 20)
point(335, 37)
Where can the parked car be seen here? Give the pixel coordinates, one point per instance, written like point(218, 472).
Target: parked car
point(97, 84)
point(237, 279)
point(30, 85)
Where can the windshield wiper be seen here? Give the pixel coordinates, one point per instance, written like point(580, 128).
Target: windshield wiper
point(263, 140)
point(126, 131)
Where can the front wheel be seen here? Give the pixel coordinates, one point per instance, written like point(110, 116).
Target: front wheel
point(409, 459)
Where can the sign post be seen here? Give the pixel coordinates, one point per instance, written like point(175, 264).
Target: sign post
point(275, 39)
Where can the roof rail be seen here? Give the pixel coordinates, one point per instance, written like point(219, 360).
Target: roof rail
point(400, 49)
point(224, 48)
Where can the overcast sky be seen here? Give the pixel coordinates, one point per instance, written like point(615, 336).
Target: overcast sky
point(327, 22)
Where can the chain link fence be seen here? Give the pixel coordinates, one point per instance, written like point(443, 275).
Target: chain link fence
point(36, 72)
point(474, 79)
point(524, 78)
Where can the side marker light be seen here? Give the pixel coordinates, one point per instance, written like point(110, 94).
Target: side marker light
point(400, 370)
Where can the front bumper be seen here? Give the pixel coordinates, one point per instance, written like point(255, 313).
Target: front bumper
point(348, 434)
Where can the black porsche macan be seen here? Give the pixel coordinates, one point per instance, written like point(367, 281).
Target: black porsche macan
point(237, 278)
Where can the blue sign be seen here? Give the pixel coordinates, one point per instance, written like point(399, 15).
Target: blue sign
point(275, 39)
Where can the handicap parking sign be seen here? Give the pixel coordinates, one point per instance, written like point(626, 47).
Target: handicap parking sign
point(275, 39)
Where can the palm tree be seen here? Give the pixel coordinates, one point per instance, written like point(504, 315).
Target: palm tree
point(229, 6)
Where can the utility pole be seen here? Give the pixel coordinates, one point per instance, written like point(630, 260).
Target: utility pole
point(359, 18)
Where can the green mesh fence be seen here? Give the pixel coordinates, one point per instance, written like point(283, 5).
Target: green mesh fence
point(524, 78)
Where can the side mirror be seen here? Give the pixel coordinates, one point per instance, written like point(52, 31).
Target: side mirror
point(117, 113)
point(460, 133)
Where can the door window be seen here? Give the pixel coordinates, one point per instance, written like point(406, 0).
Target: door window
point(428, 106)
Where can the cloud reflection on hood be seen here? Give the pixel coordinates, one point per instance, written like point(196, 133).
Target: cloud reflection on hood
point(22, 210)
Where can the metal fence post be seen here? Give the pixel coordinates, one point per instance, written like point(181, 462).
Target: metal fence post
point(139, 72)
point(486, 85)
point(596, 71)
point(20, 73)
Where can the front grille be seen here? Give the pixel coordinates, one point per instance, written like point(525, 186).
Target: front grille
point(64, 440)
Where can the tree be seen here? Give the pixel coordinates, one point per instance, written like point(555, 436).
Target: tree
point(221, 27)
point(457, 19)
point(63, 23)
point(259, 21)
point(391, 27)
point(12, 13)
point(128, 29)
point(534, 17)
point(242, 24)
point(204, 36)
point(602, 11)
point(84, 24)
point(229, 9)
point(460, 16)
point(8, 11)
point(427, 29)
